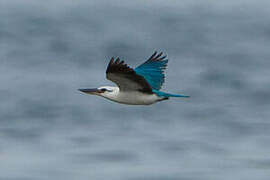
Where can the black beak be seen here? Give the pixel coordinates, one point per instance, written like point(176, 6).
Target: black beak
point(90, 91)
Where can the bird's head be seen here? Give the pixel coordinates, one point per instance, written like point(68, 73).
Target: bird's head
point(105, 91)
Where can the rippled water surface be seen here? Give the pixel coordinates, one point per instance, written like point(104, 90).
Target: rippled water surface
point(218, 54)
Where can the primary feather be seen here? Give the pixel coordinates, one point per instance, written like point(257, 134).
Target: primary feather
point(153, 70)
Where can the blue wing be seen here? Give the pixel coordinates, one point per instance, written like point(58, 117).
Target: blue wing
point(153, 70)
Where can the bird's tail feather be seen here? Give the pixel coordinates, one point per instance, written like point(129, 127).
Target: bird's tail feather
point(163, 94)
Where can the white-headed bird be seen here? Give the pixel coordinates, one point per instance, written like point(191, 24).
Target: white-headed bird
point(139, 86)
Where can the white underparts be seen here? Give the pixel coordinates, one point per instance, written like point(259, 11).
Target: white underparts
point(131, 97)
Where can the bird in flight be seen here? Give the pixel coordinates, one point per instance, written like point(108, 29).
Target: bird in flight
point(139, 86)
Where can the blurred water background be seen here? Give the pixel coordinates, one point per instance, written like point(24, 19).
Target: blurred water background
point(219, 53)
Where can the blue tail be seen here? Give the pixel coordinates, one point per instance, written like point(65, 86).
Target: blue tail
point(163, 94)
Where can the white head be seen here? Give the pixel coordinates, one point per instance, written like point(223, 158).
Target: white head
point(104, 91)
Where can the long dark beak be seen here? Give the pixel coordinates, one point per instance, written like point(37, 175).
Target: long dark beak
point(90, 91)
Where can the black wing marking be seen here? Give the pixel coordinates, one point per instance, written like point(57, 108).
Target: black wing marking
point(156, 57)
point(125, 77)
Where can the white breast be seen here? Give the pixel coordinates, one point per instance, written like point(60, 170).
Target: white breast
point(131, 97)
point(135, 98)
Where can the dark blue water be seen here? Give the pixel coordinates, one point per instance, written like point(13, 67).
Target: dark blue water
point(218, 54)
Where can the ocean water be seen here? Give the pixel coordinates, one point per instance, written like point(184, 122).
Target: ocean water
point(219, 54)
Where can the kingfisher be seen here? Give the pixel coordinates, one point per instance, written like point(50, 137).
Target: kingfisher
point(138, 86)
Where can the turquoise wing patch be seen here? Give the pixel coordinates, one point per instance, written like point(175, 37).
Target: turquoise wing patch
point(153, 70)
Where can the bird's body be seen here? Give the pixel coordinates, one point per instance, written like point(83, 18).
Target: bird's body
point(131, 98)
point(139, 86)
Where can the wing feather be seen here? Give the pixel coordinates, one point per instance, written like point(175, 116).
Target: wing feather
point(125, 77)
point(153, 70)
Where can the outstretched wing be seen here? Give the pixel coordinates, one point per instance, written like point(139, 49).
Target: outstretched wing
point(126, 78)
point(153, 70)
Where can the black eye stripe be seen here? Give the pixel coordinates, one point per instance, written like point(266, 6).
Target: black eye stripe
point(104, 89)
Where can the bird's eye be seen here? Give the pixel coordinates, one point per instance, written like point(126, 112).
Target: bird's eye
point(103, 89)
